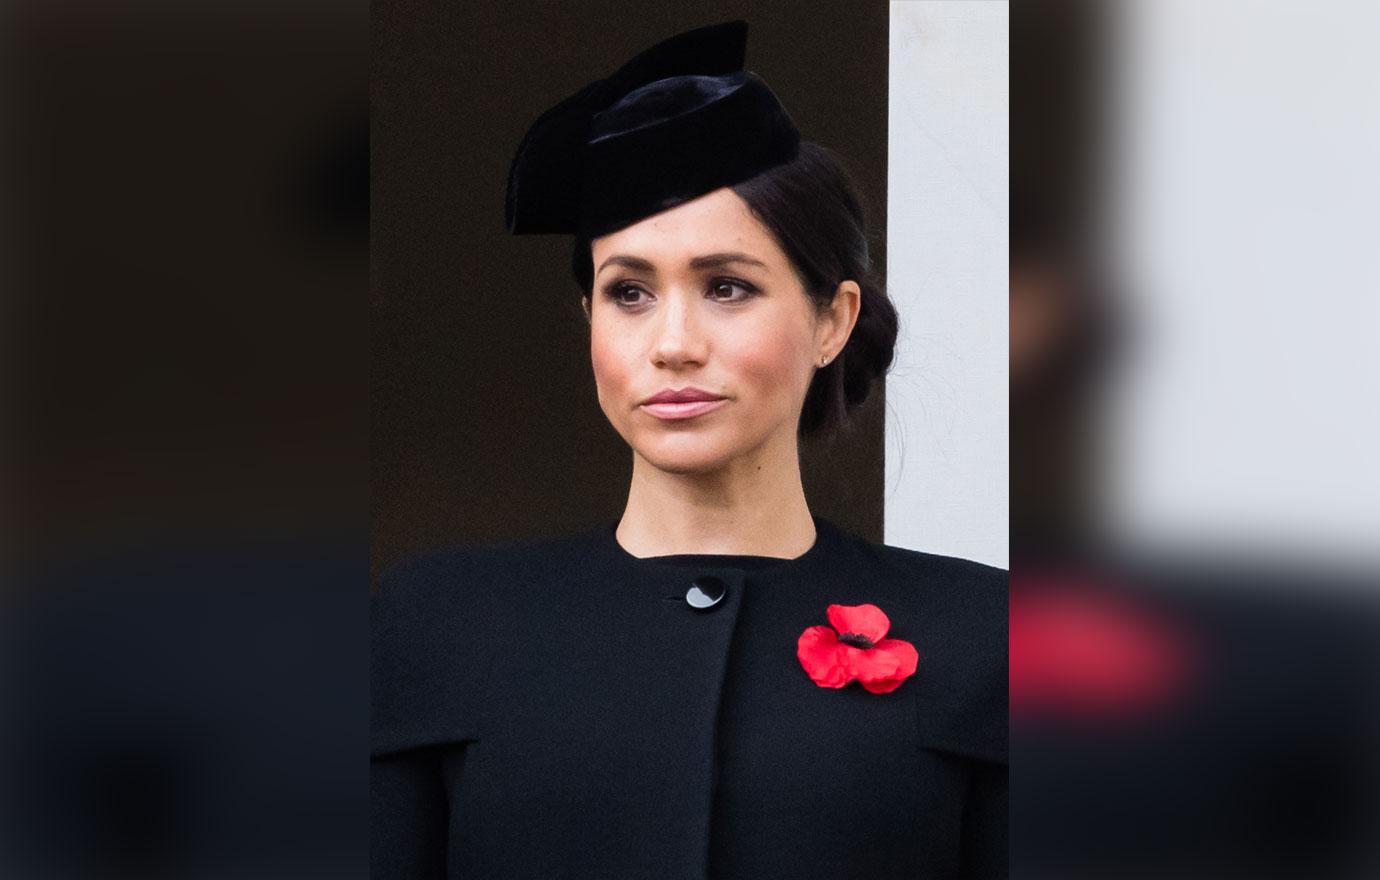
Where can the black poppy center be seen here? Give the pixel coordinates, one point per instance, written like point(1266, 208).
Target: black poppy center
point(857, 640)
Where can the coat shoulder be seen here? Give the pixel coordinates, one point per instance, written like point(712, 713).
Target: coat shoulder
point(953, 582)
point(955, 611)
point(967, 600)
point(430, 633)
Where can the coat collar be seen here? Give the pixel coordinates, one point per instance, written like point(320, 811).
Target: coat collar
point(829, 544)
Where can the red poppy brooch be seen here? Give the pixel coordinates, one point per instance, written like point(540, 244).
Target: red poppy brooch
point(856, 647)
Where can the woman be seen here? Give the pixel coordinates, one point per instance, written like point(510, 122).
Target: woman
point(718, 684)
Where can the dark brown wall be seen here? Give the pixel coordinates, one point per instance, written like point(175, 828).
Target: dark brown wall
point(484, 422)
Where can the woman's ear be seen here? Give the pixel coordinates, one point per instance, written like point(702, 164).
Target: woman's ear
point(836, 323)
point(584, 303)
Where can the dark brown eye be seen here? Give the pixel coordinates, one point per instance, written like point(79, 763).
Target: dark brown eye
point(722, 285)
point(624, 294)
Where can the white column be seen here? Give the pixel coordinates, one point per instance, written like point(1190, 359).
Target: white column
point(947, 426)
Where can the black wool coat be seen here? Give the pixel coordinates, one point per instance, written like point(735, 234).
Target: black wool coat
point(555, 708)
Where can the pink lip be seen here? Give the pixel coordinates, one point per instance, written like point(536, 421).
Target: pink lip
point(683, 410)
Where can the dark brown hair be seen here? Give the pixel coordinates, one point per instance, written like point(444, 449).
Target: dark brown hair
point(817, 213)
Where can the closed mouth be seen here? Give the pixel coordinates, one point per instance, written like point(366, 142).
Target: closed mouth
point(674, 409)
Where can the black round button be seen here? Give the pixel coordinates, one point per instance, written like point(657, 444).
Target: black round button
point(705, 592)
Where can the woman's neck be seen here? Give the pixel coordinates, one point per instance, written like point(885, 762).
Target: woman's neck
point(754, 506)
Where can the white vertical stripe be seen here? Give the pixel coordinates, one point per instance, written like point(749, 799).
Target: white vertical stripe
point(947, 425)
point(1246, 418)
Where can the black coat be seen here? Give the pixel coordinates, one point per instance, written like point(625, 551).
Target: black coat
point(554, 708)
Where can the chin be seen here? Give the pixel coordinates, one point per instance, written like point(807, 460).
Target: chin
point(686, 455)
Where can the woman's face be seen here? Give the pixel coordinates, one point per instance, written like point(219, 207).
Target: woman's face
point(700, 297)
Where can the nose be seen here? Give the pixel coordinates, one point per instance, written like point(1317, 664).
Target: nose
point(677, 339)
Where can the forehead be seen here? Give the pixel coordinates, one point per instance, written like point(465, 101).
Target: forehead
point(719, 221)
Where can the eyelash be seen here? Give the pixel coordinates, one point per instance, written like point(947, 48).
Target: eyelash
point(614, 291)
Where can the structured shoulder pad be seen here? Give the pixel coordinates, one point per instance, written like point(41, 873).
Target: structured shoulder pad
point(428, 651)
point(963, 705)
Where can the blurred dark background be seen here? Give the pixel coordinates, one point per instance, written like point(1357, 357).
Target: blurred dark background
point(485, 423)
point(186, 249)
point(183, 641)
point(1177, 710)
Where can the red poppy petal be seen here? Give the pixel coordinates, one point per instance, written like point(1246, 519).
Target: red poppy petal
point(884, 686)
point(906, 658)
point(870, 664)
point(866, 619)
point(904, 652)
point(818, 651)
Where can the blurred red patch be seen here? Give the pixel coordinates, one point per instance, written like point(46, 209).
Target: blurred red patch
point(1080, 649)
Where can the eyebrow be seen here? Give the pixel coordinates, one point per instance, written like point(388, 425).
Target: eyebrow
point(708, 261)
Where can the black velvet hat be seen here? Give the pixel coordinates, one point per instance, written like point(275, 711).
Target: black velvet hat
point(679, 120)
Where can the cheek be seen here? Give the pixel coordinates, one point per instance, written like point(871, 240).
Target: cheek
point(766, 361)
point(611, 361)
